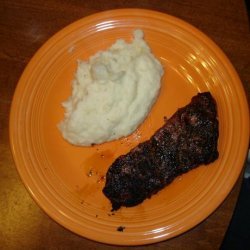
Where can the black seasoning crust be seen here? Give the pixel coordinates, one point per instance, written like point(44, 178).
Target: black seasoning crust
point(187, 139)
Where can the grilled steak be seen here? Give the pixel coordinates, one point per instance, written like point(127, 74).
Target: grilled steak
point(187, 139)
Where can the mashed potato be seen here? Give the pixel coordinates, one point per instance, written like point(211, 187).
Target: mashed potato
point(112, 93)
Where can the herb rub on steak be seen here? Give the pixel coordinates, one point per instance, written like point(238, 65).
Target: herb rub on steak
point(186, 140)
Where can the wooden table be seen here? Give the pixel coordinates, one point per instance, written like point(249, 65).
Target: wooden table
point(24, 26)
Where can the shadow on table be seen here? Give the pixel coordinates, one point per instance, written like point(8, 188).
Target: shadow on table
point(238, 234)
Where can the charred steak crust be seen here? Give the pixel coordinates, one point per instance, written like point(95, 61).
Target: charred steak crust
point(187, 139)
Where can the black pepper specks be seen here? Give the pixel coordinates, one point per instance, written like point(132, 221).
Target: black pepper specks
point(120, 229)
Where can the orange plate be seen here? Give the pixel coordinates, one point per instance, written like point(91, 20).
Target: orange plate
point(57, 174)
